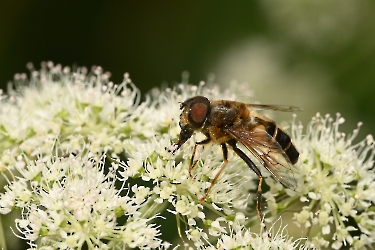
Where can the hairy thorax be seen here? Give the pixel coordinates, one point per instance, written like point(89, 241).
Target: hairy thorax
point(226, 114)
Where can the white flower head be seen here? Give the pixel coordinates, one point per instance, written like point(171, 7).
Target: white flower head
point(238, 237)
point(71, 195)
point(74, 202)
point(335, 185)
point(56, 102)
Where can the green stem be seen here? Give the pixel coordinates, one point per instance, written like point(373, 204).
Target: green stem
point(3, 244)
point(152, 208)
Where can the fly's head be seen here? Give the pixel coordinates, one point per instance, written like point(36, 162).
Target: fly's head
point(195, 112)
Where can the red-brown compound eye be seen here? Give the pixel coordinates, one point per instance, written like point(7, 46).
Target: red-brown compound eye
point(198, 111)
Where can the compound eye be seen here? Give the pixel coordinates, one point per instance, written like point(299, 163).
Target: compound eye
point(198, 112)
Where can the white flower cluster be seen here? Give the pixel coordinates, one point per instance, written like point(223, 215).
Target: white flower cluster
point(55, 127)
point(340, 187)
point(70, 106)
point(240, 238)
point(73, 200)
point(336, 193)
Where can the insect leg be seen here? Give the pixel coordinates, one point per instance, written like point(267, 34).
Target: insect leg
point(225, 156)
point(192, 162)
point(251, 165)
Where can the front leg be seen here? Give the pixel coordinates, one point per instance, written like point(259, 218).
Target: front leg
point(225, 156)
point(192, 162)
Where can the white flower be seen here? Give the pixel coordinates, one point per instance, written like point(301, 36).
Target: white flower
point(241, 238)
point(65, 104)
point(215, 228)
point(70, 195)
point(74, 203)
point(335, 185)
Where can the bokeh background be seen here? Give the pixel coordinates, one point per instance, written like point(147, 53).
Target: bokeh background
point(315, 54)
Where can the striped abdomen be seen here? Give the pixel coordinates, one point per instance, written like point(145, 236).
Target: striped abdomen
point(284, 140)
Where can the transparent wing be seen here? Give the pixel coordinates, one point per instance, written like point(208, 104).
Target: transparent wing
point(268, 151)
point(284, 108)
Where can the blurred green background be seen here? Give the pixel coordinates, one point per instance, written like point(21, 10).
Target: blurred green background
point(315, 54)
point(319, 55)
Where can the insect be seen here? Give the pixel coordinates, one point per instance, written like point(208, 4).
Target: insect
point(228, 122)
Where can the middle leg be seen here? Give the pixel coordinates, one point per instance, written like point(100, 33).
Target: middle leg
point(251, 165)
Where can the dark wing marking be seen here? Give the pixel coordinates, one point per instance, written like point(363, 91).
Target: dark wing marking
point(268, 151)
point(284, 108)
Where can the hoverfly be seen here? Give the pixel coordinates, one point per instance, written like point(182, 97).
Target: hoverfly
point(229, 122)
